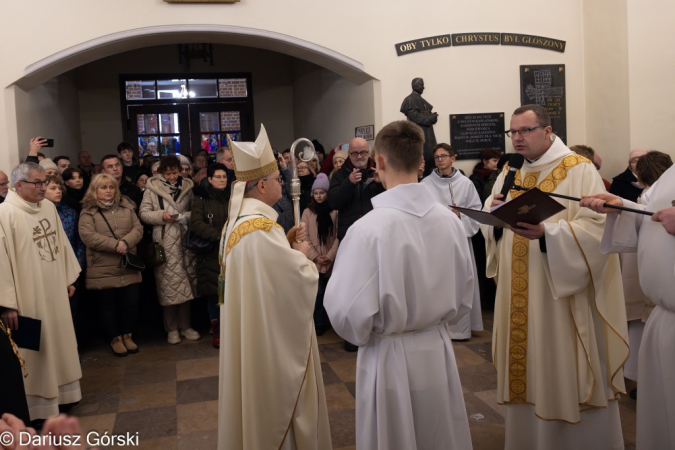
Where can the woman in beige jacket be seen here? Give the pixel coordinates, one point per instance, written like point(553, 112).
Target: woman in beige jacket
point(166, 205)
point(117, 286)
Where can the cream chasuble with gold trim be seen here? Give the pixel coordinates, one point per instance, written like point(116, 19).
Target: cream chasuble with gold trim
point(38, 266)
point(271, 387)
point(555, 310)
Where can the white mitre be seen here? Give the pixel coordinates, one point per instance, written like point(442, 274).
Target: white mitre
point(252, 160)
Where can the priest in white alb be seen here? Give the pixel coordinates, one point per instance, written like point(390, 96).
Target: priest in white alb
point(38, 271)
point(653, 238)
point(450, 187)
point(271, 392)
point(403, 275)
point(560, 338)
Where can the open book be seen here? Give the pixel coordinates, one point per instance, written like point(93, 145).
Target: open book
point(532, 207)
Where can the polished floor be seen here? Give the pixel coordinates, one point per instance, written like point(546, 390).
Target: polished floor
point(169, 393)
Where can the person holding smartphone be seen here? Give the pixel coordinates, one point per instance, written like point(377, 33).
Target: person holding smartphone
point(166, 205)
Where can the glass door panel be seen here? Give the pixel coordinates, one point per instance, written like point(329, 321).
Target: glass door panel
point(159, 129)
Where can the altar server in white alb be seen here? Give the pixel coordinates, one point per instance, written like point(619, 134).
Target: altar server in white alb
point(394, 292)
point(450, 187)
point(654, 240)
point(38, 270)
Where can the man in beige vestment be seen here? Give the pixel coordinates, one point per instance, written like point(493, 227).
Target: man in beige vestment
point(271, 388)
point(559, 338)
point(39, 268)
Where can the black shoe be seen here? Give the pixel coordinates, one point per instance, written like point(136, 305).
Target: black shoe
point(321, 330)
point(633, 394)
point(349, 347)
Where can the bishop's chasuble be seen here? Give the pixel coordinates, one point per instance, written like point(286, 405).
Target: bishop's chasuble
point(38, 265)
point(271, 386)
point(630, 232)
point(560, 337)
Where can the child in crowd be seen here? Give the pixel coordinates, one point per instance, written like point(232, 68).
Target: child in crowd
point(321, 224)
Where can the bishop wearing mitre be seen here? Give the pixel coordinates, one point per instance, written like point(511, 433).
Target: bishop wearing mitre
point(271, 388)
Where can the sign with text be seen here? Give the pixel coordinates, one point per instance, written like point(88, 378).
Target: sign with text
point(471, 133)
point(526, 40)
point(476, 39)
point(366, 132)
point(484, 38)
point(423, 44)
point(545, 85)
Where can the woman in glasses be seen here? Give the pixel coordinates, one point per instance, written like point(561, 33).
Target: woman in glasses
point(209, 214)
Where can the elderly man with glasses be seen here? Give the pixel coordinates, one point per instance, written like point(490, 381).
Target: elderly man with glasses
point(559, 336)
point(352, 189)
point(43, 269)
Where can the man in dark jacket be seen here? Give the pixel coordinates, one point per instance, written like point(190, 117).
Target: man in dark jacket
point(112, 165)
point(352, 187)
point(625, 185)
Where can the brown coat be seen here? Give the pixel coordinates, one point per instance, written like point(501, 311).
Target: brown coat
point(104, 265)
point(177, 278)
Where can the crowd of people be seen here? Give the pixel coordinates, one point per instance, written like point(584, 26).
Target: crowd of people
point(380, 256)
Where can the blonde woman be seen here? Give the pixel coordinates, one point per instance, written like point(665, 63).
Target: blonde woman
point(110, 229)
point(166, 205)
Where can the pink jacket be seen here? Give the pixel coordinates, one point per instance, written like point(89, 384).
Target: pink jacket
point(316, 248)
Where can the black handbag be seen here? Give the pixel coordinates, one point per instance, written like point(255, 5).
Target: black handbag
point(129, 260)
point(198, 244)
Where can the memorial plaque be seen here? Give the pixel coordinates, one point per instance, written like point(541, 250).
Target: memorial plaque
point(526, 40)
point(419, 45)
point(545, 85)
point(471, 133)
point(476, 39)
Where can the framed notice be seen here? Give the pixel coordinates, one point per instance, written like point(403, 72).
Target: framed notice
point(545, 85)
point(366, 132)
point(471, 133)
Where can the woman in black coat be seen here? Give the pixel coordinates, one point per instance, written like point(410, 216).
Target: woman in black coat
point(209, 214)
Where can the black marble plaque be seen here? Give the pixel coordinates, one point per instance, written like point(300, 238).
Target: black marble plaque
point(419, 45)
point(475, 39)
point(470, 133)
point(545, 85)
point(526, 40)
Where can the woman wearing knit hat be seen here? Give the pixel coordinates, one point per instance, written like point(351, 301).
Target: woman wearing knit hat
point(49, 166)
point(321, 224)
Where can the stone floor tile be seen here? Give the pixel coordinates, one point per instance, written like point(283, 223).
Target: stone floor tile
point(329, 337)
point(336, 352)
point(484, 350)
point(342, 428)
point(156, 354)
point(339, 398)
point(490, 399)
point(149, 423)
point(351, 387)
point(487, 436)
point(345, 369)
point(203, 440)
point(150, 373)
point(165, 443)
point(329, 376)
point(350, 447)
point(628, 423)
point(102, 401)
point(197, 390)
point(197, 417)
point(479, 413)
point(480, 377)
point(197, 368)
point(466, 357)
point(147, 396)
point(100, 424)
point(479, 337)
point(196, 349)
point(100, 359)
point(108, 378)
